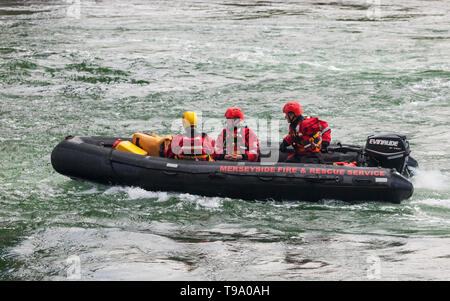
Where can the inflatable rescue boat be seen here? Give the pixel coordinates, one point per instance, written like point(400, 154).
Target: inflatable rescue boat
point(378, 171)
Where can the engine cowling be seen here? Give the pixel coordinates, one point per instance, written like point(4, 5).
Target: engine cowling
point(388, 151)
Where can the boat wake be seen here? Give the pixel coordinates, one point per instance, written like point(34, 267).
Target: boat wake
point(432, 180)
point(134, 193)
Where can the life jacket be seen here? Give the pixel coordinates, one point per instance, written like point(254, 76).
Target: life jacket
point(243, 141)
point(198, 147)
point(307, 134)
point(346, 163)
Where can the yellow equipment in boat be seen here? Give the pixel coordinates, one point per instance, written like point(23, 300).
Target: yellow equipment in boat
point(153, 144)
point(127, 146)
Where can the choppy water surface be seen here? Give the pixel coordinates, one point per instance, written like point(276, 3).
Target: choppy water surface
point(115, 67)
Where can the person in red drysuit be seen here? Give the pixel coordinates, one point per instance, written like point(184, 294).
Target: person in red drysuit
point(192, 145)
point(236, 142)
point(308, 135)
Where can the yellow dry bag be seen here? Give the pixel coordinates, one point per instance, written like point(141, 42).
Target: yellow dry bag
point(153, 144)
point(127, 146)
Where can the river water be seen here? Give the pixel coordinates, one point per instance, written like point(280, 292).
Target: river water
point(113, 68)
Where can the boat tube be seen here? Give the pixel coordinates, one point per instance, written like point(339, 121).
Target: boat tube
point(94, 159)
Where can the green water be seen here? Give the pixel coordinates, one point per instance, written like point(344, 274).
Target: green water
point(113, 68)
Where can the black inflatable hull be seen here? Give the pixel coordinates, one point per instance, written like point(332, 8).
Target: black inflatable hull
point(91, 158)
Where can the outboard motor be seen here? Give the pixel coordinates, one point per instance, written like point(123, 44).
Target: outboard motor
point(388, 151)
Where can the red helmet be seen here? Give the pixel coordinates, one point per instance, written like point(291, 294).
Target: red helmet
point(234, 112)
point(293, 106)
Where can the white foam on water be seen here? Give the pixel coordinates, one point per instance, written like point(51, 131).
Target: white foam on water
point(114, 190)
point(314, 64)
point(135, 193)
point(93, 190)
point(155, 270)
point(139, 193)
point(429, 219)
point(202, 202)
point(442, 203)
point(431, 179)
point(104, 254)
